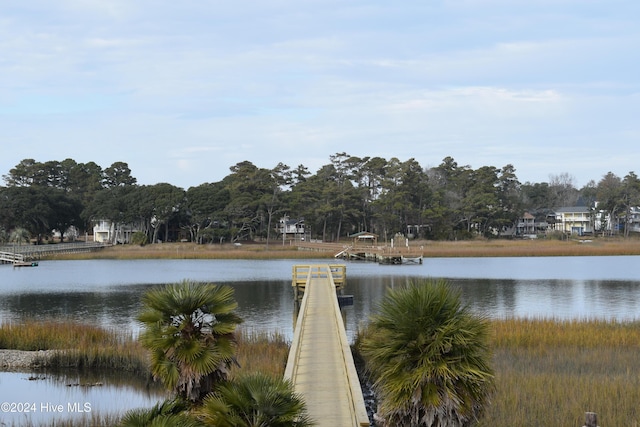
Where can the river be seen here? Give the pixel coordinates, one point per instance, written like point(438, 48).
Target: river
point(107, 292)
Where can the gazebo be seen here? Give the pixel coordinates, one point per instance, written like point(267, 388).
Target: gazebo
point(364, 239)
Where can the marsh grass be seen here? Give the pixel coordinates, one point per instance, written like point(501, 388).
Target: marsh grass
point(93, 420)
point(275, 250)
point(79, 345)
point(539, 247)
point(88, 346)
point(193, 251)
point(92, 347)
point(261, 352)
point(550, 372)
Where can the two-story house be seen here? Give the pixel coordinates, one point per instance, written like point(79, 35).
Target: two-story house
point(105, 231)
point(291, 229)
point(573, 220)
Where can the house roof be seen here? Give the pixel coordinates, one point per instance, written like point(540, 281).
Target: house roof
point(569, 209)
point(364, 235)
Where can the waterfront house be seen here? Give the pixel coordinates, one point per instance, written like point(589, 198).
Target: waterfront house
point(576, 220)
point(106, 231)
point(291, 229)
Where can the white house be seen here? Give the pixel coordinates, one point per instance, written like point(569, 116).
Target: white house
point(574, 220)
point(633, 220)
point(291, 228)
point(105, 231)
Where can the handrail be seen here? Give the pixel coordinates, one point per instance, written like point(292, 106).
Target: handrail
point(334, 275)
point(11, 257)
point(291, 368)
point(361, 418)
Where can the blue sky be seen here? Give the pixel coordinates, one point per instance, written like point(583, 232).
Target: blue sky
point(183, 90)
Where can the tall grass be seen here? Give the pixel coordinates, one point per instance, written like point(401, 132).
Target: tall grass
point(92, 347)
point(88, 346)
point(261, 352)
point(541, 247)
point(275, 250)
point(193, 251)
point(550, 372)
point(79, 345)
point(93, 420)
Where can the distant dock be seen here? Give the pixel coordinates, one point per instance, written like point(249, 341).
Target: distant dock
point(382, 255)
point(364, 247)
point(26, 254)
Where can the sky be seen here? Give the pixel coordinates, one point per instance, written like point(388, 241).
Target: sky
point(182, 91)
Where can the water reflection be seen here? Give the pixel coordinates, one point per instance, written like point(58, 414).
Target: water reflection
point(40, 397)
point(107, 292)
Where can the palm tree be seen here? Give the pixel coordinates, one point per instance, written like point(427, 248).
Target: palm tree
point(189, 329)
point(255, 400)
point(19, 235)
point(428, 357)
point(170, 413)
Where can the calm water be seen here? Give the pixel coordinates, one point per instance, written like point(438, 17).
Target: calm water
point(107, 293)
point(36, 398)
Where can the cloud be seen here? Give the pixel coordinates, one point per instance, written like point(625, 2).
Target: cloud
point(198, 86)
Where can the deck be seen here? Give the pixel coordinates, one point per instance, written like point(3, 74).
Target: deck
point(320, 364)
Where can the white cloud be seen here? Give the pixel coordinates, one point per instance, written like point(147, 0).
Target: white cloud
point(196, 87)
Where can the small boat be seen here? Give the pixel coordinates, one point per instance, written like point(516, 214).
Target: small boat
point(25, 264)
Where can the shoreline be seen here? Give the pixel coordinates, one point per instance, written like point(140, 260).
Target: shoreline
point(11, 359)
point(430, 249)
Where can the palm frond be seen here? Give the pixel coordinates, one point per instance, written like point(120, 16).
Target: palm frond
point(428, 354)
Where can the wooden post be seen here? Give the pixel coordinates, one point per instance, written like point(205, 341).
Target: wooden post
point(591, 419)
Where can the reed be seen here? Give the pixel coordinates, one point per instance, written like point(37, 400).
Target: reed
point(93, 420)
point(124, 357)
point(540, 247)
point(193, 251)
point(261, 352)
point(81, 346)
point(550, 372)
point(464, 248)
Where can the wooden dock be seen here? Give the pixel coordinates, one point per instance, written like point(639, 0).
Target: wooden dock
point(12, 258)
point(320, 364)
point(382, 255)
point(29, 253)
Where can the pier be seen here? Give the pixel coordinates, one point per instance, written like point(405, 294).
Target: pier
point(320, 364)
point(29, 253)
point(365, 248)
point(11, 258)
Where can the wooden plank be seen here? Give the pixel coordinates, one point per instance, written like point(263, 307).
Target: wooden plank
point(320, 364)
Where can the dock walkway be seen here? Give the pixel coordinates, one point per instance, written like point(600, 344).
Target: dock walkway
point(23, 253)
point(320, 363)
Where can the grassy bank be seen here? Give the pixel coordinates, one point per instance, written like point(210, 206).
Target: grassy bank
point(552, 372)
point(87, 346)
point(547, 372)
point(80, 346)
point(465, 248)
point(261, 352)
point(539, 247)
point(193, 251)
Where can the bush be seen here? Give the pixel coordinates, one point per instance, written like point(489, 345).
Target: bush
point(139, 238)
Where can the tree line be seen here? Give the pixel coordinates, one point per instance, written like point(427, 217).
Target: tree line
point(346, 195)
